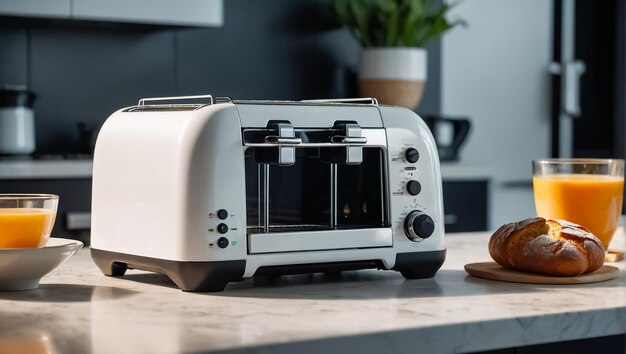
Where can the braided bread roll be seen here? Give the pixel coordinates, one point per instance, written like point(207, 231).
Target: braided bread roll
point(551, 247)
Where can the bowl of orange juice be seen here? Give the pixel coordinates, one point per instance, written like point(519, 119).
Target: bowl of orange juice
point(587, 192)
point(27, 252)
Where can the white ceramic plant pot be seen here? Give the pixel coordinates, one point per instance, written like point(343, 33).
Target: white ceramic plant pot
point(393, 75)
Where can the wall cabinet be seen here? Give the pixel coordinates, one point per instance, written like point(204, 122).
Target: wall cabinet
point(203, 13)
point(167, 12)
point(35, 8)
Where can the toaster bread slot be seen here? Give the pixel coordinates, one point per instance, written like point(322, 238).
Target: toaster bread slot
point(314, 196)
point(294, 198)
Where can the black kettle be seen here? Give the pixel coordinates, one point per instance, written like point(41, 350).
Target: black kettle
point(449, 133)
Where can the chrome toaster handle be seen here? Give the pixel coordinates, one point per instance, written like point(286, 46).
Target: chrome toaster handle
point(339, 139)
point(353, 140)
point(142, 102)
point(278, 140)
point(281, 143)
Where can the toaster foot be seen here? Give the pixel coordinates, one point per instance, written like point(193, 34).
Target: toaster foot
point(188, 276)
point(419, 265)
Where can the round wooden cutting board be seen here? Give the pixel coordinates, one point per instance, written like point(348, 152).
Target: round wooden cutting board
point(493, 271)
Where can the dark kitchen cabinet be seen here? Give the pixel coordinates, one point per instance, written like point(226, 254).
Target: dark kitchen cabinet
point(465, 205)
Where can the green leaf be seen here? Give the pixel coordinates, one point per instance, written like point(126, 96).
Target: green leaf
point(360, 13)
point(388, 6)
point(391, 23)
point(392, 29)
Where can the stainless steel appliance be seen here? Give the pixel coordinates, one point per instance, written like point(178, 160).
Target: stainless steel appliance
point(222, 190)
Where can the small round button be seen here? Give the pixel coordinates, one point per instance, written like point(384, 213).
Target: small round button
point(412, 155)
point(222, 214)
point(222, 242)
point(222, 228)
point(413, 187)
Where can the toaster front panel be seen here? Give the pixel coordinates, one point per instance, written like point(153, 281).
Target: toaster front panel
point(320, 204)
point(331, 194)
point(414, 183)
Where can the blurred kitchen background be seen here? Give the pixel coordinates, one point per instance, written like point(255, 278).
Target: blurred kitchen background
point(512, 72)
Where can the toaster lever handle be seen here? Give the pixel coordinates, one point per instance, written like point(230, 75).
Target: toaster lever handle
point(338, 139)
point(284, 140)
point(279, 140)
point(350, 136)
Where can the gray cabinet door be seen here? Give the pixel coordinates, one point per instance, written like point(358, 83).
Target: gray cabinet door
point(168, 12)
point(35, 8)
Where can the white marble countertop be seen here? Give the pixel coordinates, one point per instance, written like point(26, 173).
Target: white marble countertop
point(45, 169)
point(78, 310)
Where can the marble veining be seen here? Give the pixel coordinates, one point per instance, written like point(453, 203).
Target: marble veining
point(79, 310)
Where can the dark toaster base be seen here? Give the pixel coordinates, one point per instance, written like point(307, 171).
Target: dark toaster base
point(214, 276)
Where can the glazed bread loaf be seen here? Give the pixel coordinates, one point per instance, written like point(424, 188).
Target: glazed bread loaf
point(551, 247)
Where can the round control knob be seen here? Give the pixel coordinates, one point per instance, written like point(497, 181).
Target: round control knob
point(418, 226)
point(222, 228)
point(412, 155)
point(222, 214)
point(413, 187)
point(222, 242)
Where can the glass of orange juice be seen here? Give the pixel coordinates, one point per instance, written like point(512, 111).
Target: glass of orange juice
point(26, 220)
point(587, 192)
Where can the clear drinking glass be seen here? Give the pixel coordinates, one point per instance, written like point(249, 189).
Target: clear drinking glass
point(26, 220)
point(587, 192)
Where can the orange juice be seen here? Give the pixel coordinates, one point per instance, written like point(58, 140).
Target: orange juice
point(25, 227)
point(593, 201)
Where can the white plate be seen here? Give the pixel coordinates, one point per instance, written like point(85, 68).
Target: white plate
point(22, 268)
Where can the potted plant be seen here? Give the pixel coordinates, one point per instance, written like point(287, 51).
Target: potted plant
point(393, 34)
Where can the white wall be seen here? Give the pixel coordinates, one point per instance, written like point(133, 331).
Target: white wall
point(495, 72)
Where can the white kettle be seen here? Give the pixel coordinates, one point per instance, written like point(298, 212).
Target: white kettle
point(17, 121)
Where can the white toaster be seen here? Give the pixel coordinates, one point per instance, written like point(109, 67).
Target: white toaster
point(213, 192)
